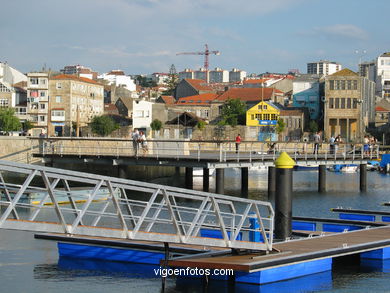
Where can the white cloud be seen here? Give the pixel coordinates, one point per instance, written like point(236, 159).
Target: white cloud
point(349, 31)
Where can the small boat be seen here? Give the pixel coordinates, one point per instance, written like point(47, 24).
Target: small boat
point(372, 165)
point(344, 168)
point(306, 168)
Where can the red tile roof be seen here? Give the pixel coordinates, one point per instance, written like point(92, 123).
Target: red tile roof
point(73, 77)
point(248, 94)
point(381, 109)
point(168, 100)
point(198, 84)
point(202, 99)
point(254, 81)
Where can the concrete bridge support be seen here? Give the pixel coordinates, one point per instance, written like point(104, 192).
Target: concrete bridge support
point(321, 178)
point(244, 181)
point(271, 181)
point(206, 179)
point(122, 171)
point(363, 177)
point(219, 181)
point(189, 182)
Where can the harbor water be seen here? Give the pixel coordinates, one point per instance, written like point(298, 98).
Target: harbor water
point(31, 265)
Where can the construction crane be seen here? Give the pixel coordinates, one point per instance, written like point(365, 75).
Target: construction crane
point(206, 54)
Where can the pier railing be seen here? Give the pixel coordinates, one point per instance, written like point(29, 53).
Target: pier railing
point(43, 199)
point(202, 150)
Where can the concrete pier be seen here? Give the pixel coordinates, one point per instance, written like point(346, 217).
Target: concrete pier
point(363, 177)
point(321, 178)
point(220, 180)
point(206, 179)
point(271, 181)
point(189, 182)
point(244, 180)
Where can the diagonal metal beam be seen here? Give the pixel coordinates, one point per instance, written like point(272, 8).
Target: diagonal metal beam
point(197, 217)
point(117, 207)
point(50, 191)
point(18, 195)
point(8, 196)
point(221, 223)
point(173, 216)
point(71, 200)
point(42, 201)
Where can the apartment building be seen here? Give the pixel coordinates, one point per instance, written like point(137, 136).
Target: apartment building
point(38, 101)
point(236, 75)
point(383, 75)
point(218, 75)
point(186, 74)
point(349, 105)
point(74, 101)
point(323, 67)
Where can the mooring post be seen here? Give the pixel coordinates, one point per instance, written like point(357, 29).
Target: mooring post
point(219, 180)
point(244, 180)
point(321, 178)
point(206, 179)
point(271, 181)
point(363, 177)
point(283, 196)
point(189, 178)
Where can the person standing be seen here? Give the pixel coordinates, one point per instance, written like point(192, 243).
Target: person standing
point(317, 140)
point(332, 144)
point(238, 141)
point(144, 143)
point(135, 137)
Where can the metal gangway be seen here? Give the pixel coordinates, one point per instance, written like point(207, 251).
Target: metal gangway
point(43, 199)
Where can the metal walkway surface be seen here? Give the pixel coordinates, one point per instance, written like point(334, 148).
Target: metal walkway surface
point(43, 199)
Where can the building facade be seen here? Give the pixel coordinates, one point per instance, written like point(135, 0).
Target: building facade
point(38, 101)
point(236, 75)
point(74, 102)
point(383, 76)
point(119, 79)
point(186, 73)
point(306, 93)
point(349, 105)
point(323, 67)
point(218, 75)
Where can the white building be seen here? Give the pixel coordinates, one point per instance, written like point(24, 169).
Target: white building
point(323, 67)
point(8, 77)
point(186, 74)
point(383, 76)
point(368, 69)
point(38, 101)
point(236, 75)
point(218, 75)
point(142, 114)
point(159, 78)
point(80, 71)
point(119, 78)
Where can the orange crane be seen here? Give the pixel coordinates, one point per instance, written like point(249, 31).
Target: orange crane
point(206, 54)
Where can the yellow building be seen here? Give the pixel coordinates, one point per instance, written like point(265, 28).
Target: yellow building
point(262, 114)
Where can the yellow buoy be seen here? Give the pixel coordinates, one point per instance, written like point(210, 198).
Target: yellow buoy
point(284, 161)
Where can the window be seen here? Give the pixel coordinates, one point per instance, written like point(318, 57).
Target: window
point(337, 103)
point(146, 113)
point(274, 117)
point(34, 80)
point(42, 106)
point(349, 103)
point(266, 116)
point(259, 107)
point(58, 99)
point(42, 80)
point(21, 111)
point(355, 84)
point(58, 85)
point(264, 107)
point(349, 84)
point(252, 117)
point(337, 85)
point(331, 103)
point(42, 118)
point(331, 85)
point(206, 113)
point(58, 113)
point(3, 103)
point(258, 116)
point(4, 89)
point(342, 100)
point(342, 84)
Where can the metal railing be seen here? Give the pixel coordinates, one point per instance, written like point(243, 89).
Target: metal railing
point(204, 150)
point(37, 198)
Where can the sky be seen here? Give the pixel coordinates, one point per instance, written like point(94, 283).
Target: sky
point(144, 36)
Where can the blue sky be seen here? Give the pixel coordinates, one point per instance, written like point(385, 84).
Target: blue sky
point(143, 36)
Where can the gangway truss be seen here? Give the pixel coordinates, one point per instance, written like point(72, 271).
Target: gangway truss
point(44, 199)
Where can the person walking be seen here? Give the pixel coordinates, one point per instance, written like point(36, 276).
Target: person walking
point(238, 141)
point(135, 137)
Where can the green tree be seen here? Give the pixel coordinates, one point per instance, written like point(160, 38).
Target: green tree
point(103, 125)
point(201, 125)
point(171, 81)
point(156, 125)
point(233, 113)
point(27, 125)
point(143, 81)
point(280, 126)
point(313, 126)
point(8, 120)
